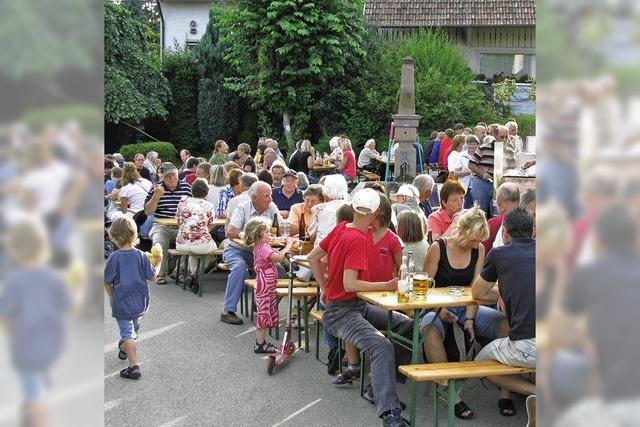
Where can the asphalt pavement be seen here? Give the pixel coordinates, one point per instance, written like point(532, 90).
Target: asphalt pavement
point(197, 371)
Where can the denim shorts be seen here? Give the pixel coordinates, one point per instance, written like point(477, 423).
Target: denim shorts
point(34, 384)
point(128, 328)
point(486, 324)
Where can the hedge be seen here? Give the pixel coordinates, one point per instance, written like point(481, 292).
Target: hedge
point(166, 150)
point(90, 118)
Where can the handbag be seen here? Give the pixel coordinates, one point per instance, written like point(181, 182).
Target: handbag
point(139, 218)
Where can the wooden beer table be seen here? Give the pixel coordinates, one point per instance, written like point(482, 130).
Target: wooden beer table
point(437, 298)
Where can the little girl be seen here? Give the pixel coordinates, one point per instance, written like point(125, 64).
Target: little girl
point(264, 263)
point(410, 231)
point(127, 276)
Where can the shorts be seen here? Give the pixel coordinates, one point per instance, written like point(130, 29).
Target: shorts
point(487, 321)
point(128, 328)
point(513, 353)
point(34, 384)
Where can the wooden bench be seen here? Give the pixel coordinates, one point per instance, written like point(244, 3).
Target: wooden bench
point(369, 176)
point(444, 375)
point(200, 273)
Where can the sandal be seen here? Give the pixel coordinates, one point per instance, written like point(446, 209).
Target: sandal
point(121, 354)
point(132, 372)
point(265, 347)
point(460, 409)
point(161, 280)
point(506, 407)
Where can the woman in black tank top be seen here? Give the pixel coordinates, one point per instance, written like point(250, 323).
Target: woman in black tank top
point(454, 261)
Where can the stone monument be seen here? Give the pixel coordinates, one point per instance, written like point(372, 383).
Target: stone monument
point(406, 125)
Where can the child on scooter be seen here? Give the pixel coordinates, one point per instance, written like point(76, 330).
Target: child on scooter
point(264, 264)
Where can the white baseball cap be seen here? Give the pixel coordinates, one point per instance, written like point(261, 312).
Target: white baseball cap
point(408, 190)
point(366, 201)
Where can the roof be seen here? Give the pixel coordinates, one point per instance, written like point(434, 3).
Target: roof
point(450, 13)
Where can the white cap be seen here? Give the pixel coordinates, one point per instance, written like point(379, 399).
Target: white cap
point(366, 201)
point(408, 190)
point(334, 142)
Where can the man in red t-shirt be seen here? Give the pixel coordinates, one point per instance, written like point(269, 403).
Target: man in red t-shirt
point(352, 319)
point(445, 148)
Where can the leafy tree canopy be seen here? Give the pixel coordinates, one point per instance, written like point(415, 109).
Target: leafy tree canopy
point(134, 86)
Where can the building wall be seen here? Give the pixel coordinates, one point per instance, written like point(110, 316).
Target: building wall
point(177, 18)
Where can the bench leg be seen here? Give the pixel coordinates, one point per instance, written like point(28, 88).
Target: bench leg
point(201, 275)
point(250, 300)
point(436, 408)
point(318, 340)
point(451, 402)
point(298, 321)
point(306, 325)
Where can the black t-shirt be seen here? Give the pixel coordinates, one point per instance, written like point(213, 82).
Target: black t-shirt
point(607, 291)
point(251, 163)
point(298, 162)
point(514, 265)
point(144, 173)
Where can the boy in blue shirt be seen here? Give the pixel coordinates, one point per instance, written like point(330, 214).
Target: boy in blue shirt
point(32, 305)
point(127, 275)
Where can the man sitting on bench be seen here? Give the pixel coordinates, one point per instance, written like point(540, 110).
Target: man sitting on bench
point(513, 265)
point(352, 319)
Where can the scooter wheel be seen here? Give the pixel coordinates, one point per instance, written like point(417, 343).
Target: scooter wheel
point(271, 364)
point(291, 347)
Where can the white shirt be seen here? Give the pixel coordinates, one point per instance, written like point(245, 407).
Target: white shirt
point(452, 160)
point(214, 195)
point(233, 203)
point(136, 193)
point(365, 157)
point(463, 162)
point(323, 219)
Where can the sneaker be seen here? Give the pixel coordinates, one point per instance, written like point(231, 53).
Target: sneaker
point(393, 418)
point(368, 395)
point(347, 377)
point(230, 318)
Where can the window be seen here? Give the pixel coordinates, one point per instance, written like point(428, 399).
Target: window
point(506, 63)
point(191, 44)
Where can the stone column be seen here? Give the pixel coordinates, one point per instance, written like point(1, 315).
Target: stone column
point(406, 125)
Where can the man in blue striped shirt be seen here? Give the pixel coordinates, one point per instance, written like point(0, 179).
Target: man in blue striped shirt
point(162, 202)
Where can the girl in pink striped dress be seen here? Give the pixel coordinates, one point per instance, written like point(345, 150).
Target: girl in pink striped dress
point(264, 264)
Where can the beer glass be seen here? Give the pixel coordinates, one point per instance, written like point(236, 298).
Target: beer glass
point(422, 284)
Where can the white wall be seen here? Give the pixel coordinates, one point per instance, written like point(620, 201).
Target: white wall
point(177, 18)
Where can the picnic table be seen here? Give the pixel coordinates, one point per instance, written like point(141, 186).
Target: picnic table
point(383, 159)
point(438, 298)
point(319, 170)
point(274, 242)
point(169, 222)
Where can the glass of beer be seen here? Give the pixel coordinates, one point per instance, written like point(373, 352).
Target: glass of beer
point(421, 285)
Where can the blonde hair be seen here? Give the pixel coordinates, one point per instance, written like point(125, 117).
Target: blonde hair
point(254, 229)
point(27, 241)
point(472, 226)
point(410, 226)
point(458, 140)
point(129, 174)
point(345, 143)
point(218, 176)
point(123, 231)
point(305, 146)
point(230, 165)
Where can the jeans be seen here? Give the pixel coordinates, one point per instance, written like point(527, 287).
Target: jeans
point(239, 260)
point(468, 199)
point(482, 192)
point(358, 322)
point(165, 237)
point(128, 328)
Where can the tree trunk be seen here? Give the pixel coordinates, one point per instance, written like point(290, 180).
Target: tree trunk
point(287, 133)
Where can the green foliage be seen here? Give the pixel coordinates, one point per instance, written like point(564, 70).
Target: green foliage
point(503, 92)
point(246, 137)
point(285, 53)
point(526, 125)
point(166, 150)
point(134, 86)
point(181, 70)
point(89, 117)
point(218, 107)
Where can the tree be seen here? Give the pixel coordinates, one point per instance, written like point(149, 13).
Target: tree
point(286, 52)
point(134, 85)
point(218, 107)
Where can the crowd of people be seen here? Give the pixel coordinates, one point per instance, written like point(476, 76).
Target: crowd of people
point(359, 241)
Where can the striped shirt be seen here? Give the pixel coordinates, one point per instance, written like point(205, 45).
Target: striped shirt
point(483, 157)
point(168, 203)
point(226, 194)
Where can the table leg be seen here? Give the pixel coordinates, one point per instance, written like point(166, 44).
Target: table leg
point(201, 276)
point(306, 325)
point(298, 321)
point(436, 408)
point(414, 360)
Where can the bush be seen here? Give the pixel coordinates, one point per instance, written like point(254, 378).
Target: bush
point(89, 117)
point(166, 150)
point(526, 125)
point(246, 137)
